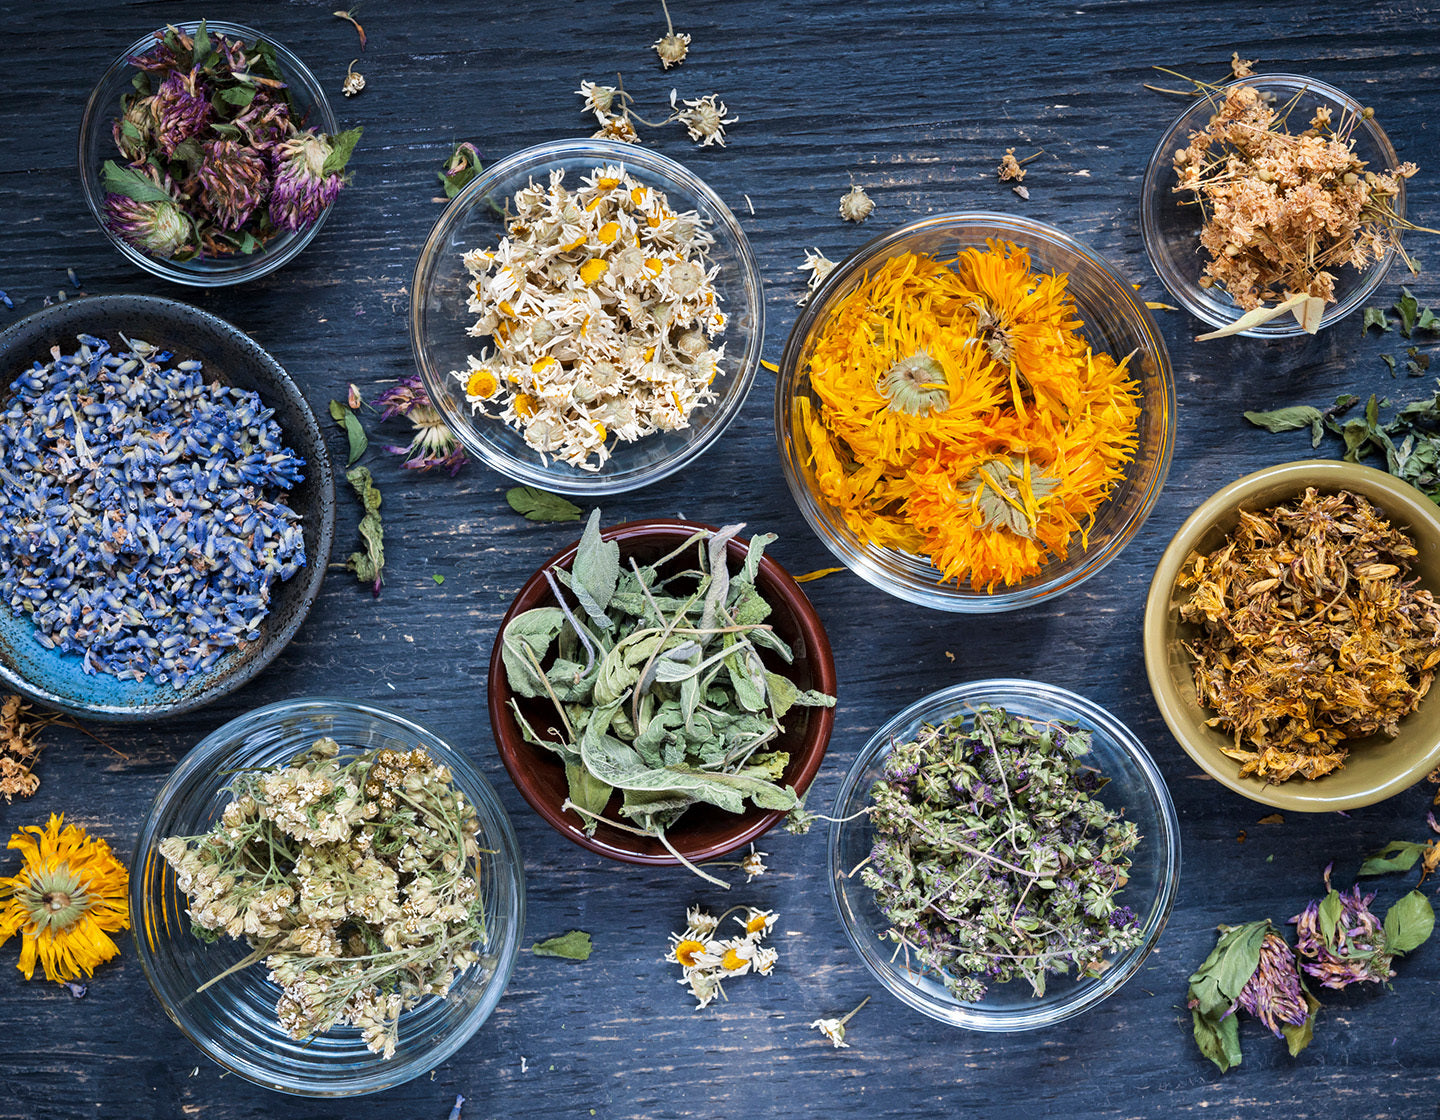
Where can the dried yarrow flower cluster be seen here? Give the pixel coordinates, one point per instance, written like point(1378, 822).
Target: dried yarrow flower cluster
point(1283, 212)
point(704, 118)
point(20, 747)
point(994, 859)
point(601, 305)
point(356, 881)
point(218, 160)
point(707, 959)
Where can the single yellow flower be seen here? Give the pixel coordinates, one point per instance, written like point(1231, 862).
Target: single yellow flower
point(686, 950)
point(482, 383)
point(69, 894)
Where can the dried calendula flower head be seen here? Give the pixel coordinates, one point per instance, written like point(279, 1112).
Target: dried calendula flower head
point(673, 48)
point(855, 205)
point(703, 117)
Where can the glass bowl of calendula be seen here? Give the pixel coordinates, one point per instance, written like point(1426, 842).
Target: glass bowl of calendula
point(974, 412)
point(587, 316)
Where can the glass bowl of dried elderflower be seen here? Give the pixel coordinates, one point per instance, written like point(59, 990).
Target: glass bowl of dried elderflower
point(1004, 855)
point(1292, 634)
point(1273, 206)
point(209, 154)
point(329, 899)
point(974, 412)
point(587, 316)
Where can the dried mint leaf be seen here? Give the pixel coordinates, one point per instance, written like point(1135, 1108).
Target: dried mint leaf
point(1376, 317)
point(368, 564)
point(1398, 855)
point(1289, 419)
point(354, 432)
point(1408, 308)
point(540, 505)
point(342, 145)
point(1409, 923)
point(572, 946)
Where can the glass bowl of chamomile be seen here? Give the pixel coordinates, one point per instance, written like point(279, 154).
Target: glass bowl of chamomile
point(974, 412)
point(1046, 897)
point(587, 316)
point(278, 956)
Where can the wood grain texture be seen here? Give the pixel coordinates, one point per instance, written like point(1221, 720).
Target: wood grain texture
point(915, 100)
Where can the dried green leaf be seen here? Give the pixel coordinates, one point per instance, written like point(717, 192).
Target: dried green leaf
point(524, 646)
point(1376, 317)
point(1218, 981)
point(573, 946)
point(130, 183)
point(1286, 419)
point(342, 146)
point(1408, 309)
point(368, 564)
point(1297, 1038)
point(595, 572)
point(1218, 1039)
point(1389, 360)
point(354, 432)
point(1409, 923)
point(1398, 855)
point(238, 96)
point(1329, 912)
point(540, 505)
point(1428, 320)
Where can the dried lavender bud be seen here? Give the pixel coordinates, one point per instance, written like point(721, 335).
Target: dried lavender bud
point(993, 859)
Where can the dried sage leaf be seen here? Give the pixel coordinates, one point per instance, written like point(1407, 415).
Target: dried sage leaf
point(573, 946)
point(540, 505)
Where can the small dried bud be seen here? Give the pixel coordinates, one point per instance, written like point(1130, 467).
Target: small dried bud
point(1241, 67)
point(354, 80)
point(855, 205)
point(1010, 167)
point(672, 49)
point(704, 118)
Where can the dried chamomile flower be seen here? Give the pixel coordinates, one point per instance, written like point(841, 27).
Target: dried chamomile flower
point(616, 128)
point(673, 48)
point(706, 961)
point(598, 99)
point(834, 1029)
point(703, 117)
point(601, 307)
point(1010, 167)
point(354, 80)
point(855, 205)
point(819, 266)
point(753, 864)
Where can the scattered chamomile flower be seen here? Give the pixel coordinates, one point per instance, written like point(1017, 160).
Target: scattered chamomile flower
point(1010, 167)
point(757, 921)
point(855, 204)
point(673, 48)
point(700, 923)
point(819, 266)
point(354, 80)
point(834, 1029)
point(616, 128)
point(598, 99)
point(753, 864)
point(706, 961)
point(703, 117)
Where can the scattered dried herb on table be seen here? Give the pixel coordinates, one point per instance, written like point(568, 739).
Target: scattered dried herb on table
point(218, 159)
point(1311, 633)
point(601, 307)
point(959, 415)
point(657, 682)
point(356, 881)
point(994, 859)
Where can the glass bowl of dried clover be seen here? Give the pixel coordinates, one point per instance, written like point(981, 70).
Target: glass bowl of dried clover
point(1268, 188)
point(1003, 855)
point(587, 316)
point(1291, 635)
point(328, 898)
point(974, 412)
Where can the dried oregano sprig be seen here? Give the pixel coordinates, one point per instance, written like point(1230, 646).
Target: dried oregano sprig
point(356, 881)
point(993, 859)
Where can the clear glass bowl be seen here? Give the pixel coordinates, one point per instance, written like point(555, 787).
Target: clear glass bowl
point(233, 1021)
point(1172, 230)
point(1115, 322)
point(1135, 787)
point(439, 319)
point(97, 145)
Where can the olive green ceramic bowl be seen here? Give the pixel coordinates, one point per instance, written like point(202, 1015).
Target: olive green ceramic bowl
point(1377, 767)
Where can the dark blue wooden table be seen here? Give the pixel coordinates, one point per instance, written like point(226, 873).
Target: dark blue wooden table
point(916, 102)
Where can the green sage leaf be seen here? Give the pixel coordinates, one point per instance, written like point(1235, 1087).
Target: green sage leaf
point(595, 572)
point(587, 791)
point(524, 646)
point(540, 505)
point(1286, 419)
point(573, 946)
point(1409, 923)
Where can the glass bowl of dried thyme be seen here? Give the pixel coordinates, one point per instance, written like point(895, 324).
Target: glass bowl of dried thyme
point(1003, 812)
point(939, 447)
point(1252, 197)
point(405, 938)
point(1302, 685)
point(587, 316)
point(209, 154)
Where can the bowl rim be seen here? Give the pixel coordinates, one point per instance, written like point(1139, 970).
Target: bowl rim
point(537, 158)
point(1400, 498)
point(1167, 847)
point(318, 470)
point(749, 825)
point(1152, 189)
point(951, 596)
point(210, 750)
point(217, 272)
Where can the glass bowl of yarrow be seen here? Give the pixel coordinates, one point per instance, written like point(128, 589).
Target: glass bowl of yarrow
point(1004, 855)
point(974, 412)
point(280, 878)
point(166, 507)
point(587, 316)
point(1269, 188)
point(209, 154)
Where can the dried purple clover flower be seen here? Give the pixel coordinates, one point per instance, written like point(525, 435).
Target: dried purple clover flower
point(1273, 993)
point(265, 124)
point(158, 227)
point(134, 129)
point(433, 444)
point(303, 189)
point(234, 181)
point(181, 108)
point(1341, 942)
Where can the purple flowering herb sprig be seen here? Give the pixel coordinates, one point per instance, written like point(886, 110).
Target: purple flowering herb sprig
point(217, 158)
point(993, 857)
point(432, 443)
point(1341, 942)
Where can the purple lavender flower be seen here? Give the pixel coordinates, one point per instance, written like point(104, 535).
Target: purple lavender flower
point(1273, 993)
point(1356, 952)
point(302, 190)
point(433, 444)
point(181, 108)
point(159, 228)
point(234, 182)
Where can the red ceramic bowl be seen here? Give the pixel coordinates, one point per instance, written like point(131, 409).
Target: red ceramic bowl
point(704, 832)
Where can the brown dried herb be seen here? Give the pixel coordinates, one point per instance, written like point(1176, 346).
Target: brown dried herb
point(20, 747)
point(1312, 633)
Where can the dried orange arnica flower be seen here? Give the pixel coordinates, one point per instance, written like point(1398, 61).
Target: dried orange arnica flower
point(958, 414)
